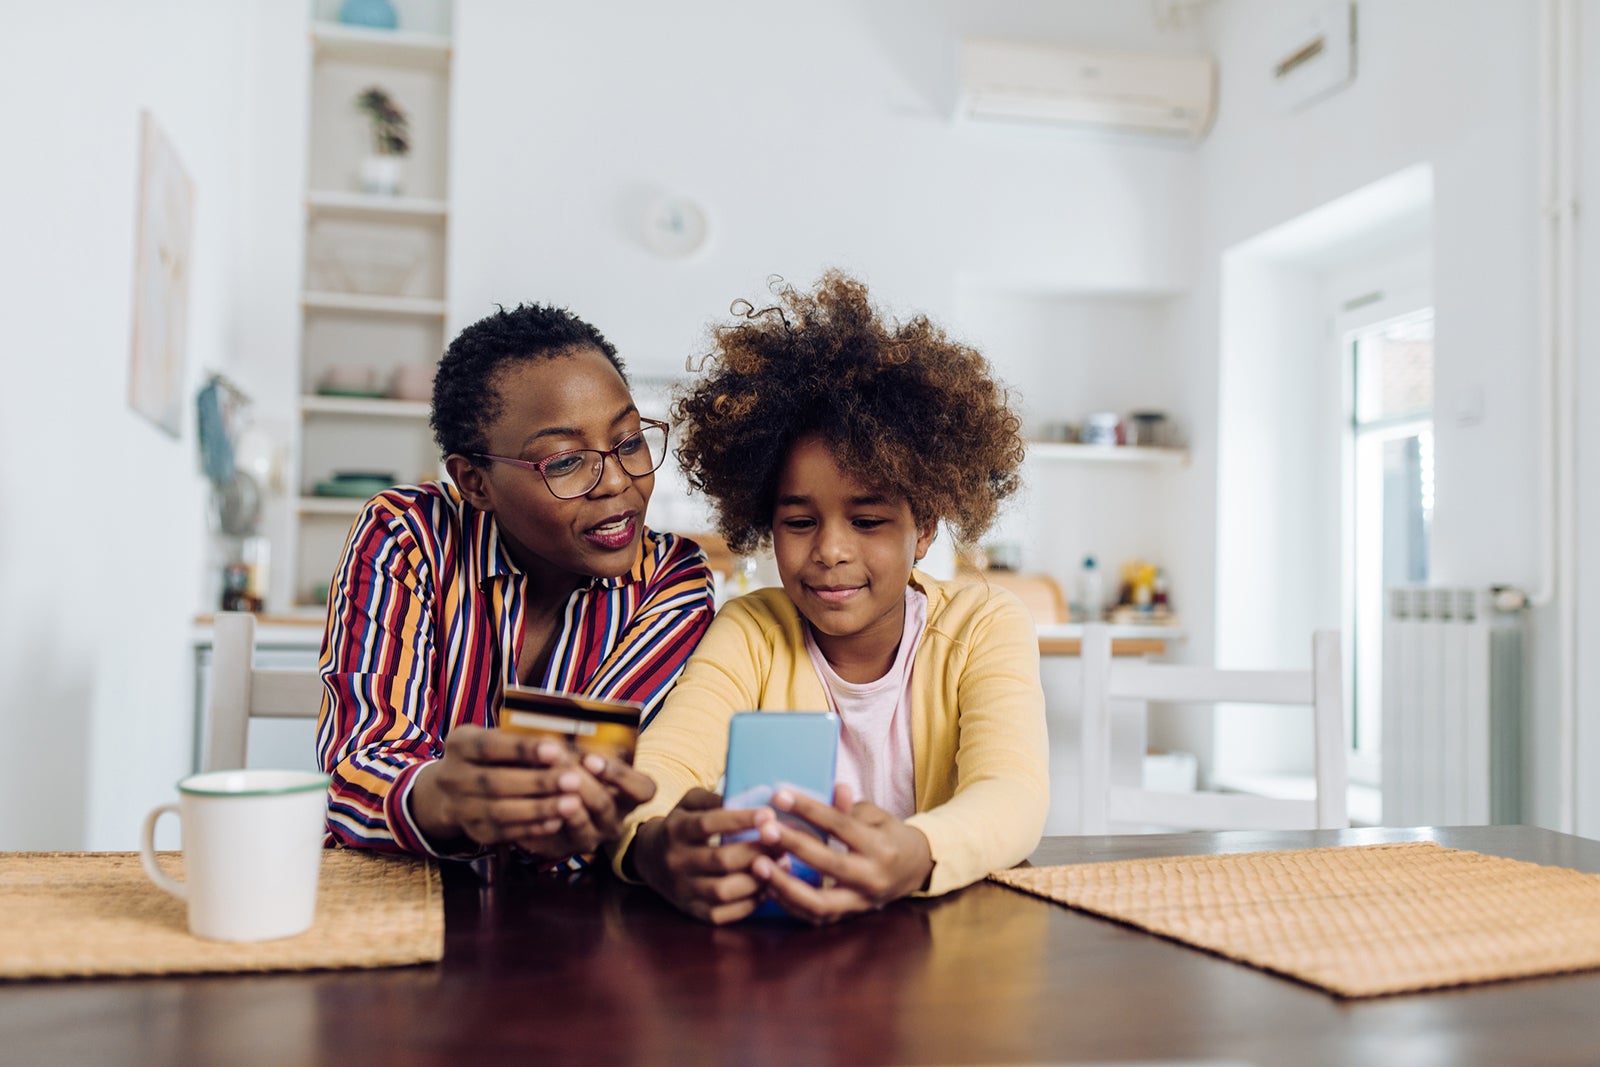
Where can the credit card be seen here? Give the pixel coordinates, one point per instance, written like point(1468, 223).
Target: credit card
point(607, 727)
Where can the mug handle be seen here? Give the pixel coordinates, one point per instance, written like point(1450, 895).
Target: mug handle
point(147, 853)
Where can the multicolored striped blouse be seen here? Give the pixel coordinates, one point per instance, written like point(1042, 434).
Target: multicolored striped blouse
point(424, 631)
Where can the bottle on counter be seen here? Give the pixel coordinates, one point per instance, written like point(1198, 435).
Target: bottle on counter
point(1091, 591)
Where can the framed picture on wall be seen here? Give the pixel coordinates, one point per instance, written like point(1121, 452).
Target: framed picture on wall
point(160, 280)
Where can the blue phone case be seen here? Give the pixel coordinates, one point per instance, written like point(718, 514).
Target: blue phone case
point(768, 749)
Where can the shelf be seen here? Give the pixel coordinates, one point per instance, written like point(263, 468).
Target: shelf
point(364, 303)
point(347, 506)
point(374, 407)
point(331, 203)
point(1060, 451)
point(355, 44)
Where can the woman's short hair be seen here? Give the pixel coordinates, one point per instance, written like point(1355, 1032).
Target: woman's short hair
point(465, 399)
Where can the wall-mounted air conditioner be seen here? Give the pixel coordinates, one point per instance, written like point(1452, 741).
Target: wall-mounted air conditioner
point(1126, 92)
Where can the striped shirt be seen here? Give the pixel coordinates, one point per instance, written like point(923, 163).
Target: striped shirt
point(424, 631)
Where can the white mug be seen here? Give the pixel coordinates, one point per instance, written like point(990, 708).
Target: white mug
point(252, 851)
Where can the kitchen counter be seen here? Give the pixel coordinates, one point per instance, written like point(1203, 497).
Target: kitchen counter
point(1127, 639)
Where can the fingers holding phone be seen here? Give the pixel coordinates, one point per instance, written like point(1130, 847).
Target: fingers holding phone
point(877, 858)
point(698, 856)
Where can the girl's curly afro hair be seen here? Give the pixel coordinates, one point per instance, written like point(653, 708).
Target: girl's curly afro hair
point(905, 409)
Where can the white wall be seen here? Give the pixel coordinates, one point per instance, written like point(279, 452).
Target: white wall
point(105, 515)
point(1275, 542)
point(1585, 402)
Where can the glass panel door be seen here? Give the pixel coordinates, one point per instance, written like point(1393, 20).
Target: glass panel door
point(1391, 500)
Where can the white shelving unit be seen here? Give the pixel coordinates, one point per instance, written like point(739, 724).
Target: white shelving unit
point(336, 42)
point(376, 407)
point(329, 203)
point(346, 506)
point(374, 304)
point(373, 297)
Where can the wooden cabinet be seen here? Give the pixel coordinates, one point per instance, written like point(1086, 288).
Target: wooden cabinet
point(373, 294)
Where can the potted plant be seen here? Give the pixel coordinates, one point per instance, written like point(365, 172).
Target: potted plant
point(382, 172)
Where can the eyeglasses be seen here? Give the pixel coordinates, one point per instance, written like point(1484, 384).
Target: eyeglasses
point(577, 471)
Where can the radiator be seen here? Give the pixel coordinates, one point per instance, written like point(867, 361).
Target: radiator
point(1452, 709)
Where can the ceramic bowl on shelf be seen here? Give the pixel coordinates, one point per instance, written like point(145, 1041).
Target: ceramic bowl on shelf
point(350, 379)
point(1148, 429)
point(372, 14)
point(412, 381)
point(1100, 428)
point(373, 266)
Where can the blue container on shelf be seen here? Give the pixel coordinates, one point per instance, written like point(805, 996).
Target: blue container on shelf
point(377, 14)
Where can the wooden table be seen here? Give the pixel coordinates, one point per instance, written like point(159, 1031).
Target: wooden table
point(579, 969)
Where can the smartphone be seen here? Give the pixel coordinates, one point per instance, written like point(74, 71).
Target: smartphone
point(608, 727)
point(769, 749)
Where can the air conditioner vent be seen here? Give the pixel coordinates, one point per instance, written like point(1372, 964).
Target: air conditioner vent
point(1173, 96)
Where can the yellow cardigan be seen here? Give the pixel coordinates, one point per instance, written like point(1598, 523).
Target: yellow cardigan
point(978, 745)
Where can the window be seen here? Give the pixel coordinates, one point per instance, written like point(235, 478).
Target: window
point(1389, 501)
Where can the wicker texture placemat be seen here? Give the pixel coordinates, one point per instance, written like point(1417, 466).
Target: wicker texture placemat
point(95, 913)
point(1358, 921)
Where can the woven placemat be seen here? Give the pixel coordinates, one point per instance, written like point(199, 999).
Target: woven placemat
point(1357, 921)
point(95, 913)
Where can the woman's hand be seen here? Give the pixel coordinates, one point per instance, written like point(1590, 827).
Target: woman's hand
point(682, 857)
point(883, 860)
point(491, 787)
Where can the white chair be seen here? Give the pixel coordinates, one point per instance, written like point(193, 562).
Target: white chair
point(241, 691)
point(1106, 680)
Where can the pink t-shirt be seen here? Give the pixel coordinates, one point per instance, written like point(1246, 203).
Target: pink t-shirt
point(875, 720)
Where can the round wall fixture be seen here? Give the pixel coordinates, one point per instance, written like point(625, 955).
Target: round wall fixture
point(674, 226)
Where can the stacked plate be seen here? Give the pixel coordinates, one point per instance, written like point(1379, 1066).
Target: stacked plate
point(360, 484)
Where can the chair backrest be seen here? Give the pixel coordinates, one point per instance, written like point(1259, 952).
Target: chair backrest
point(1106, 680)
point(241, 691)
point(1039, 593)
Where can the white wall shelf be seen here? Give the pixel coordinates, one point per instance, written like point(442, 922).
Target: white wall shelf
point(376, 407)
point(344, 506)
point(354, 44)
point(1057, 451)
point(335, 203)
point(369, 304)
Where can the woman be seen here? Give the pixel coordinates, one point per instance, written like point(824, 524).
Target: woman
point(533, 567)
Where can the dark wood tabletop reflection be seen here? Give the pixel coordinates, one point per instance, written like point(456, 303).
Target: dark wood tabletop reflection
point(576, 968)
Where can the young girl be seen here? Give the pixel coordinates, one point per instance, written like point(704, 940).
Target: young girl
point(844, 440)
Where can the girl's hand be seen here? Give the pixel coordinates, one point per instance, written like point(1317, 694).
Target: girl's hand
point(492, 788)
point(683, 858)
point(621, 790)
point(884, 859)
